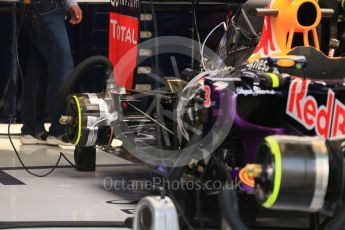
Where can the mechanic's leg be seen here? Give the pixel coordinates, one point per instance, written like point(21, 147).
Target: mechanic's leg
point(31, 88)
point(41, 104)
point(60, 65)
point(50, 38)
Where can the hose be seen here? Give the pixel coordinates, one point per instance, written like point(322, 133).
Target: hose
point(80, 70)
point(228, 203)
point(229, 206)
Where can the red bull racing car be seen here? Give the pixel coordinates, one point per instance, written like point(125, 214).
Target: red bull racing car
point(271, 116)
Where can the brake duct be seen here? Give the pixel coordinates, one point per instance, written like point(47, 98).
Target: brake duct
point(296, 173)
point(89, 116)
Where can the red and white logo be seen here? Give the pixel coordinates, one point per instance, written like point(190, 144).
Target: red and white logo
point(123, 42)
point(268, 44)
point(207, 102)
point(327, 120)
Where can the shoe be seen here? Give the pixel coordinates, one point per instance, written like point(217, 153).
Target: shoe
point(60, 140)
point(38, 150)
point(36, 139)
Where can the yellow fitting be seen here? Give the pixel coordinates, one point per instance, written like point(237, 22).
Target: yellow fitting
point(254, 170)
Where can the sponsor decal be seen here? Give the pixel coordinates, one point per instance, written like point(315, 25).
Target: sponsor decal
point(328, 120)
point(268, 44)
point(260, 65)
point(248, 73)
point(207, 102)
point(123, 38)
point(220, 85)
point(245, 178)
point(127, 3)
point(256, 91)
point(122, 33)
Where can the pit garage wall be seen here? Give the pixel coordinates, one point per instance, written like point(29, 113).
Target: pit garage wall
point(91, 38)
point(8, 70)
point(174, 18)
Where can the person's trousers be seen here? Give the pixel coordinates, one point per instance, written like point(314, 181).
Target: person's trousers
point(50, 61)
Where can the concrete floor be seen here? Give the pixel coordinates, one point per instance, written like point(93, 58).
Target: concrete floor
point(69, 196)
point(66, 194)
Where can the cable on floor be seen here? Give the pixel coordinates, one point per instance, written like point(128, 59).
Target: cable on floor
point(22, 163)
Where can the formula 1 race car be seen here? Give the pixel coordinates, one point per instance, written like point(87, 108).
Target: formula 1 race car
point(271, 116)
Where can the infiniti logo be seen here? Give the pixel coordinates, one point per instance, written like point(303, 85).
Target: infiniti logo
point(128, 3)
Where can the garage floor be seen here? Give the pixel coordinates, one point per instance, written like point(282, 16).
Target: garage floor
point(68, 197)
point(66, 194)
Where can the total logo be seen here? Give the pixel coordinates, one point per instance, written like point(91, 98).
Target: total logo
point(123, 33)
point(327, 120)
